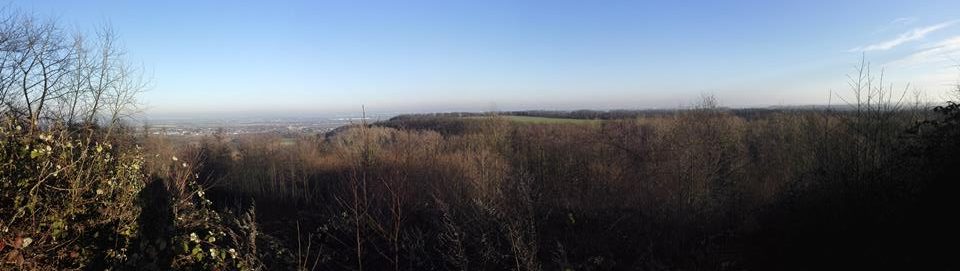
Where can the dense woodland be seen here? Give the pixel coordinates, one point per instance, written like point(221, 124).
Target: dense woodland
point(704, 188)
point(695, 189)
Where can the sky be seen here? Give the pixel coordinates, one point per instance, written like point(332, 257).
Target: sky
point(307, 57)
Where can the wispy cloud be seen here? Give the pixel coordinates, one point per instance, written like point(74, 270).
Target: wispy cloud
point(898, 23)
point(944, 50)
point(912, 35)
point(903, 21)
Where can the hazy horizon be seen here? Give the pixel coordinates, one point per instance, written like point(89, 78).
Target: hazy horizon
point(306, 58)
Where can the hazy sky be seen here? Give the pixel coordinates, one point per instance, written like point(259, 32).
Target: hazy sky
point(409, 55)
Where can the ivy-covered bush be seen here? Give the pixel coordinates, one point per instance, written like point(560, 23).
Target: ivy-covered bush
point(206, 240)
point(72, 200)
point(65, 201)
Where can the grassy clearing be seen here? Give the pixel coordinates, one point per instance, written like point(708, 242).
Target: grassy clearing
point(541, 120)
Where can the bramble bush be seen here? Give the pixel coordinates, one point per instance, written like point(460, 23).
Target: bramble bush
point(72, 200)
point(65, 202)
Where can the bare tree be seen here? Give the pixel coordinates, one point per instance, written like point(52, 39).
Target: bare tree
point(9, 45)
point(78, 81)
point(122, 94)
point(35, 60)
point(104, 76)
point(53, 60)
point(47, 75)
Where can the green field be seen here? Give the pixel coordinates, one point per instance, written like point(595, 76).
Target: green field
point(542, 120)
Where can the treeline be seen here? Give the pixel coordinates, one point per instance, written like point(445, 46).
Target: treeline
point(620, 114)
point(575, 114)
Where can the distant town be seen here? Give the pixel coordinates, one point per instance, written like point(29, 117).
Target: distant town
point(254, 125)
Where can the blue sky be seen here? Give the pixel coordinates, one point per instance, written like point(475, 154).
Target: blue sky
point(416, 56)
